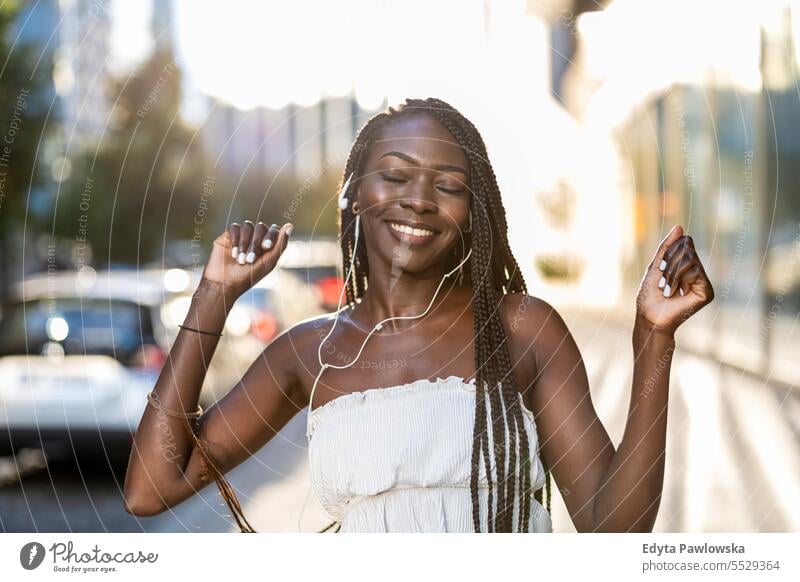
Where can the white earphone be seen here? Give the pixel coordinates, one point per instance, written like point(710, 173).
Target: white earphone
point(343, 202)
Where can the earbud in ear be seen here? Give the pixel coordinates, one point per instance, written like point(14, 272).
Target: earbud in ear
point(343, 201)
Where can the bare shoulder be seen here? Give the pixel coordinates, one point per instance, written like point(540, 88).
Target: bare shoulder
point(298, 345)
point(524, 313)
point(538, 335)
point(306, 333)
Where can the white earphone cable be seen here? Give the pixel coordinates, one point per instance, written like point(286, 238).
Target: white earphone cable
point(378, 326)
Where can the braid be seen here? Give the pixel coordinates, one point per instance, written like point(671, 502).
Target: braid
point(493, 271)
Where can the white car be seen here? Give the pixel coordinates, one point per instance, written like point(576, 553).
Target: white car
point(78, 354)
point(80, 351)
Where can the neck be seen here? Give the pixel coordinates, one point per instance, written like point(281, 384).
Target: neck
point(402, 294)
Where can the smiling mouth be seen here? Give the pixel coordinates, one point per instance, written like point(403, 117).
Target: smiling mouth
point(408, 234)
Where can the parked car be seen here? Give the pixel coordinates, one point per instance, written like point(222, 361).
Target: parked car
point(316, 262)
point(78, 354)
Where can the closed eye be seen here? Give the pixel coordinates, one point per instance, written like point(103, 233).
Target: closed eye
point(403, 180)
point(393, 180)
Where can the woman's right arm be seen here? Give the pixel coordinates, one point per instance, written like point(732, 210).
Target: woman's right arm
point(165, 466)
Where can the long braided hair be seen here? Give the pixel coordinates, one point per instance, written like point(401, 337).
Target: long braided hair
point(492, 272)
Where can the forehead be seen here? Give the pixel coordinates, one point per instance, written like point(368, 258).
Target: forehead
point(422, 137)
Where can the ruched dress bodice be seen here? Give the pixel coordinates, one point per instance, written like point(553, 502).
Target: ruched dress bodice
point(399, 459)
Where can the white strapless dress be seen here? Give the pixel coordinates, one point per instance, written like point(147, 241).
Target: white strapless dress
point(398, 459)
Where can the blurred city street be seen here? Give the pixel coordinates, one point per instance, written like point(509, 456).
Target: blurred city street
point(129, 142)
point(733, 461)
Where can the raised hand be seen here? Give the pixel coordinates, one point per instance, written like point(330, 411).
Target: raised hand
point(244, 254)
point(675, 284)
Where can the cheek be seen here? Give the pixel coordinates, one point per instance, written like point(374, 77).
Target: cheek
point(375, 192)
point(456, 211)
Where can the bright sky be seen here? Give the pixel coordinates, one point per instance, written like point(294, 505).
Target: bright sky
point(274, 53)
point(130, 34)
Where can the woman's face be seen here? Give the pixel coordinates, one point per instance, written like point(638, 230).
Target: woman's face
point(413, 197)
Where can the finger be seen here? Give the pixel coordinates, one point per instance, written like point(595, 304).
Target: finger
point(280, 244)
point(270, 238)
point(254, 249)
point(244, 242)
point(691, 276)
point(688, 278)
point(283, 237)
point(679, 247)
point(675, 257)
point(674, 274)
point(700, 283)
point(235, 229)
point(672, 236)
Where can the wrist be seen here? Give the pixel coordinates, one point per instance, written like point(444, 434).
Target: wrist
point(211, 304)
point(214, 292)
point(646, 331)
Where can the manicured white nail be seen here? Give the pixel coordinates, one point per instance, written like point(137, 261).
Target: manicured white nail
point(235, 252)
point(661, 282)
point(289, 229)
point(241, 258)
point(666, 291)
point(251, 256)
point(266, 244)
point(680, 291)
point(663, 265)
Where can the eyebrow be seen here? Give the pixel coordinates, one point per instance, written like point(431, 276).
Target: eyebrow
point(412, 161)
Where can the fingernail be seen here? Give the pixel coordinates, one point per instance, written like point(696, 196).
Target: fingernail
point(661, 282)
point(235, 252)
point(251, 256)
point(241, 258)
point(289, 229)
point(266, 243)
point(680, 291)
point(663, 265)
point(666, 291)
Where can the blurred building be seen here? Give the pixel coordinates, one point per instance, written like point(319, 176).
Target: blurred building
point(294, 140)
point(73, 36)
point(72, 39)
point(702, 112)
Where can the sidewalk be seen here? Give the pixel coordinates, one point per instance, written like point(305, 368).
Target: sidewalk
point(733, 442)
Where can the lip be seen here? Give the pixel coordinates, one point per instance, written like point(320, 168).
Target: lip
point(407, 238)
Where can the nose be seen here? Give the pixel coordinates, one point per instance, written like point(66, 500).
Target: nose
point(420, 199)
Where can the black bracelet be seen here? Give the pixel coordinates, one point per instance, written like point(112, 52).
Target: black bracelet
point(200, 330)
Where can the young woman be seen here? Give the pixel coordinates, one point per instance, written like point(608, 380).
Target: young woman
point(435, 390)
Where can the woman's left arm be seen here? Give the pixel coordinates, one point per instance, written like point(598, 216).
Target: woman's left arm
point(606, 489)
point(674, 287)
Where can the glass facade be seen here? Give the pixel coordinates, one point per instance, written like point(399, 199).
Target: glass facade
point(725, 163)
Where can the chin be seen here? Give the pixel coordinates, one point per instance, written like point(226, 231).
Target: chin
point(416, 261)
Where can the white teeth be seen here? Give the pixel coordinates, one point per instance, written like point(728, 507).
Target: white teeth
point(409, 230)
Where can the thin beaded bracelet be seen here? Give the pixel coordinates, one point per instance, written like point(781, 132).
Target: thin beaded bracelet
point(152, 397)
point(200, 330)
